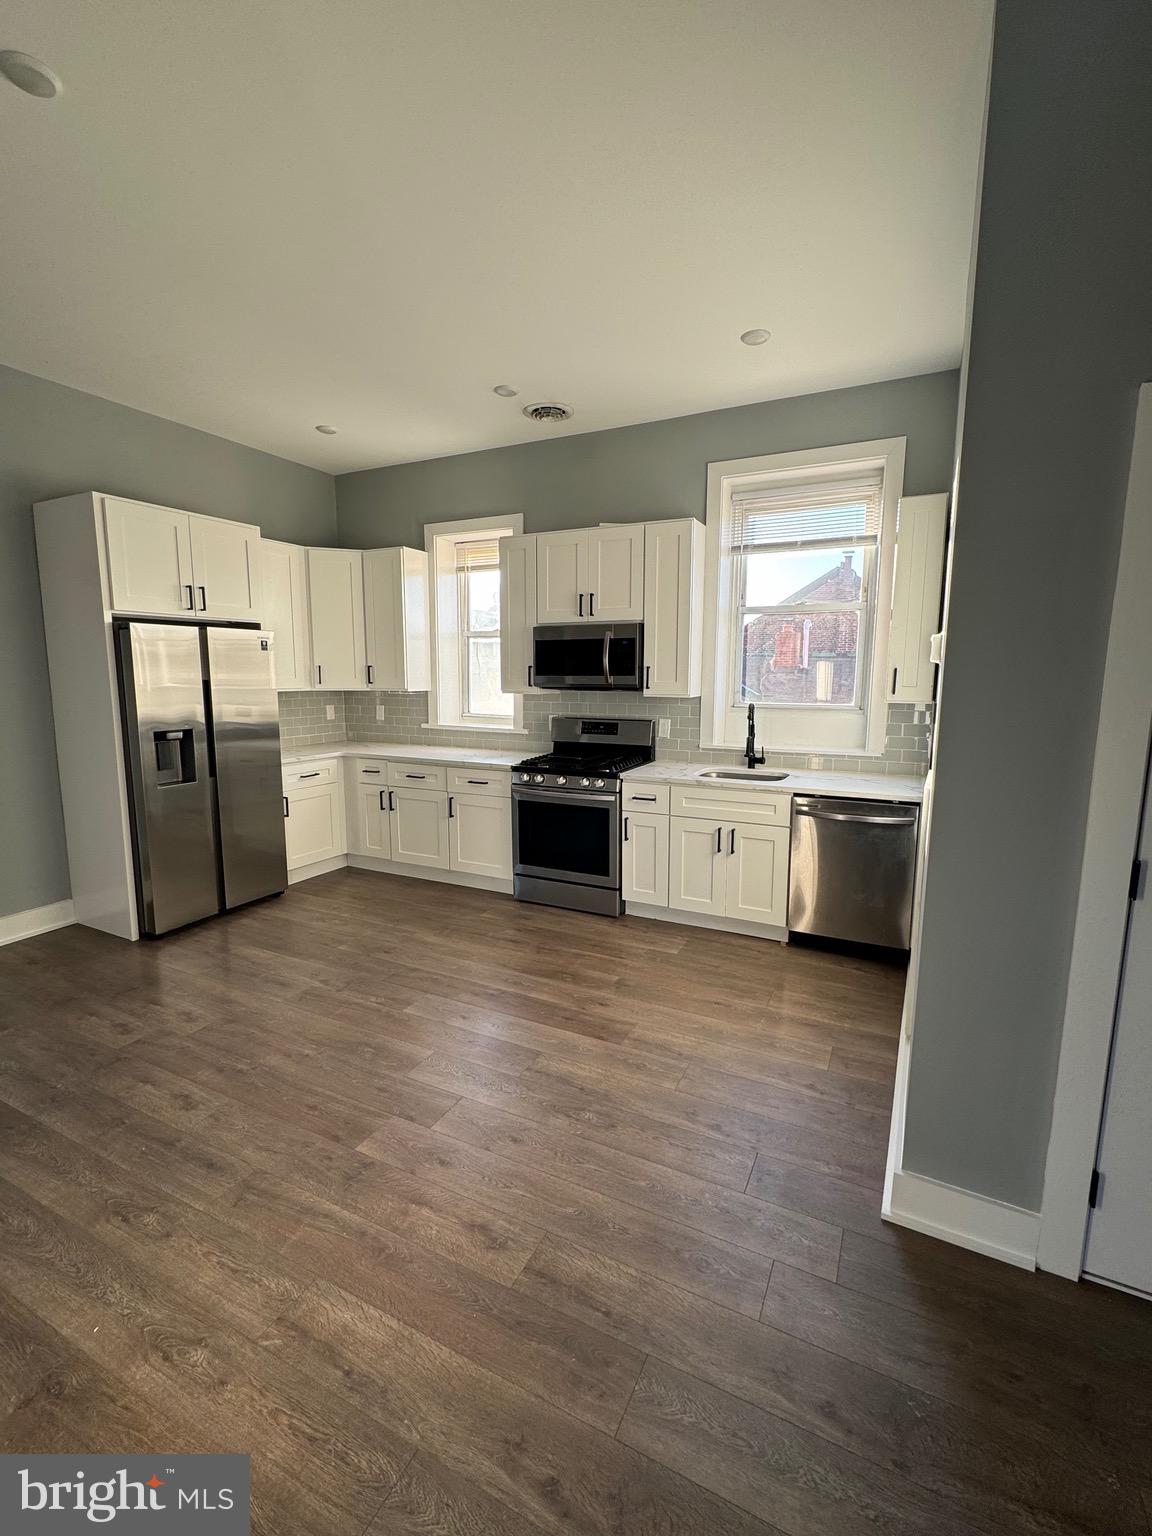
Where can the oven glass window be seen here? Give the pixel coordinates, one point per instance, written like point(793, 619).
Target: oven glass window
point(571, 839)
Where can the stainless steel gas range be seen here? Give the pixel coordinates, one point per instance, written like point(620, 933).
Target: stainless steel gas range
point(566, 813)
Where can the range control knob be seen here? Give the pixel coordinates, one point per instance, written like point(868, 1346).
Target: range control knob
point(585, 782)
point(560, 779)
point(538, 778)
point(525, 778)
point(598, 783)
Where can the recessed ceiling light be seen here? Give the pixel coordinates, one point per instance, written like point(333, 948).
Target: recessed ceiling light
point(505, 391)
point(29, 74)
point(327, 431)
point(755, 338)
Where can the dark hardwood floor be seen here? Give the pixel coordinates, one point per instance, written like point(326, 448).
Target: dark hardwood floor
point(469, 1217)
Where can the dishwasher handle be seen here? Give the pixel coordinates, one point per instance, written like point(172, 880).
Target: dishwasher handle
point(872, 821)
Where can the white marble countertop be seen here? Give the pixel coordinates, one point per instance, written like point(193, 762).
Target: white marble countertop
point(796, 781)
point(474, 757)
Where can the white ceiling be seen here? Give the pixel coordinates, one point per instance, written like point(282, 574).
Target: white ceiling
point(255, 215)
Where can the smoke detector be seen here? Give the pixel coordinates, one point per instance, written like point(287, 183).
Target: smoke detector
point(547, 410)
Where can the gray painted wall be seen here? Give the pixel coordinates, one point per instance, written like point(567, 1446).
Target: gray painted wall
point(54, 441)
point(1061, 338)
point(655, 470)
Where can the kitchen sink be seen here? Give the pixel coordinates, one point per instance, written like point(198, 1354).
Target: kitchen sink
point(741, 775)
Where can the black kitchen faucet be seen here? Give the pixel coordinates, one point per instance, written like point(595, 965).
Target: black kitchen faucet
point(750, 756)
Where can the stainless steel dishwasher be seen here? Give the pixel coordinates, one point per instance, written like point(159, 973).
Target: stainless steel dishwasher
point(852, 869)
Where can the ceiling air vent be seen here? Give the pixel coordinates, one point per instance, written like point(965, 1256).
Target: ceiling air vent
point(547, 410)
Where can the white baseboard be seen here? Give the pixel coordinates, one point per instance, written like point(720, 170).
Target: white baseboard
point(422, 872)
point(705, 920)
point(959, 1216)
point(25, 925)
point(321, 867)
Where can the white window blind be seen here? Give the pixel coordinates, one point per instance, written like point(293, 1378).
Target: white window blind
point(786, 514)
point(477, 555)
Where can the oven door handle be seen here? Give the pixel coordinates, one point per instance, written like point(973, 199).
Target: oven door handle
point(564, 796)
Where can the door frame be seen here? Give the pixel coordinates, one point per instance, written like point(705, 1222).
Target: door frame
point(1111, 842)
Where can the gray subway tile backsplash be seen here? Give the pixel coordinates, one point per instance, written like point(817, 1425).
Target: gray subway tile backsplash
point(304, 723)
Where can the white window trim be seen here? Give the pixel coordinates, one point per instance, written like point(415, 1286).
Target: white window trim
point(443, 598)
point(722, 726)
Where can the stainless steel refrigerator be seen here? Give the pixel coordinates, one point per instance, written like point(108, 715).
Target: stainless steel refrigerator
point(202, 737)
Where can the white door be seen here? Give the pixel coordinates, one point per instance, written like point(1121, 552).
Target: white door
point(371, 824)
point(314, 828)
point(695, 865)
point(644, 875)
point(1120, 1235)
point(285, 612)
point(756, 878)
point(673, 597)
point(614, 573)
point(517, 611)
point(420, 827)
point(561, 595)
point(480, 835)
point(336, 612)
point(149, 558)
point(226, 568)
point(396, 619)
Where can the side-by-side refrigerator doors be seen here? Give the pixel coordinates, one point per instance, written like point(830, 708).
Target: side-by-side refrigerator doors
point(246, 736)
point(173, 804)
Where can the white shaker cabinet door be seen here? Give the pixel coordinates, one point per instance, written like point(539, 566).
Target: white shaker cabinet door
point(371, 824)
point(396, 619)
point(756, 874)
point(285, 612)
point(420, 827)
point(336, 612)
point(673, 607)
point(696, 866)
point(480, 835)
point(226, 569)
point(314, 827)
point(645, 858)
point(614, 573)
point(517, 611)
point(149, 558)
point(561, 596)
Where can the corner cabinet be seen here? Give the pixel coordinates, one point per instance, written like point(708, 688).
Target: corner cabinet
point(314, 823)
point(396, 623)
point(517, 611)
point(336, 618)
point(916, 598)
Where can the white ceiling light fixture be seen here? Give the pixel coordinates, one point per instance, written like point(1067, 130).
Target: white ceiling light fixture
point(548, 410)
point(32, 76)
point(505, 391)
point(327, 431)
point(755, 338)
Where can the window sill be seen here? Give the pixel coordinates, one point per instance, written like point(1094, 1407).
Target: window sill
point(502, 730)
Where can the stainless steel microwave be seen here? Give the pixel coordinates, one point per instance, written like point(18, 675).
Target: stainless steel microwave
point(588, 656)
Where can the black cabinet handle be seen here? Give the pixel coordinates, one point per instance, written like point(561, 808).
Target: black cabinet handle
point(529, 674)
point(581, 605)
point(732, 840)
point(383, 807)
point(315, 775)
point(203, 600)
point(391, 800)
point(415, 775)
point(652, 798)
point(287, 813)
point(647, 677)
point(371, 770)
point(371, 670)
point(895, 670)
point(451, 812)
point(625, 829)
point(591, 605)
point(477, 781)
point(191, 598)
point(319, 673)
point(719, 838)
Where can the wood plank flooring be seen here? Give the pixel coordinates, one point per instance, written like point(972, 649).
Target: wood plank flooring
point(480, 1219)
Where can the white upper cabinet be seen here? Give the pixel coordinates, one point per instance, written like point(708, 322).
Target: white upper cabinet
point(285, 613)
point(560, 567)
point(336, 617)
point(226, 568)
point(517, 611)
point(590, 573)
point(673, 607)
point(916, 597)
point(396, 619)
point(614, 572)
point(164, 561)
point(149, 558)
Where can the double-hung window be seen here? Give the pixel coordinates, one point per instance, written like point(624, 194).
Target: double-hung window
point(478, 586)
point(464, 561)
point(800, 570)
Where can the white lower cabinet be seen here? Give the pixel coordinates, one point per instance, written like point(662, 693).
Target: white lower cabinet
point(370, 831)
point(756, 874)
point(480, 835)
point(420, 827)
point(314, 826)
point(696, 866)
point(644, 874)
